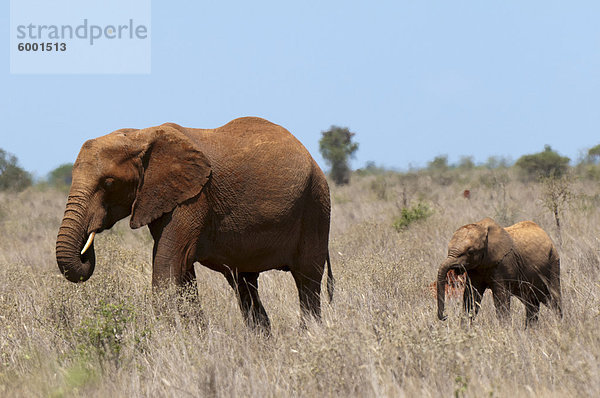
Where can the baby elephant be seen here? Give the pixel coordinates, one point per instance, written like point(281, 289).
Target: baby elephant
point(519, 260)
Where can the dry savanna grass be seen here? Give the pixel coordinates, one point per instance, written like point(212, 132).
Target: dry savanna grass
point(379, 337)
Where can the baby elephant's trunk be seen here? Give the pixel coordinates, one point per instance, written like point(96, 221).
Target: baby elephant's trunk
point(441, 287)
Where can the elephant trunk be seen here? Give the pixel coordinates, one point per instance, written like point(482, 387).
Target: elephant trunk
point(441, 286)
point(72, 236)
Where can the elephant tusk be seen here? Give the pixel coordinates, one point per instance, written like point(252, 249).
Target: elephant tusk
point(88, 243)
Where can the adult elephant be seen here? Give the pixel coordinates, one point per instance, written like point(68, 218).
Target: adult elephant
point(519, 260)
point(240, 199)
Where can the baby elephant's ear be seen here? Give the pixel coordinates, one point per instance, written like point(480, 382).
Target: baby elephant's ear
point(173, 171)
point(499, 241)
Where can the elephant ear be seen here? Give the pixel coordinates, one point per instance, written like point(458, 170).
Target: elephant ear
point(499, 242)
point(173, 171)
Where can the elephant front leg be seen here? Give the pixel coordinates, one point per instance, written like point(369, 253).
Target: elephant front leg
point(172, 265)
point(173, 253)
point(245, 285)
point(501, 295)
point(472, 296)
point(188, 286)
point(528, 294)
point(173, 259)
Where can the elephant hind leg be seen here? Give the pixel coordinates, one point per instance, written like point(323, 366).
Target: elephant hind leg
point(555, 304)
point(532, 309)
point(554, 296)
point(555, 299)
point(245, 285)
point(308, 282)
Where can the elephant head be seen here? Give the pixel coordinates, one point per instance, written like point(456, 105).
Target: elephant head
point(143, 173)
point(473, 246)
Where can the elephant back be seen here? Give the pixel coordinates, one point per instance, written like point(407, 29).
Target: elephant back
point(258, 167)
point(533, 245)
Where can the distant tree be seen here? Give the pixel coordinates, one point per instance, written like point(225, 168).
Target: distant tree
point(589, 164)
point(439, 170)
point(547, 163)
point(466, 163)
point(497, 162)
point(439, 163)
point(12, 177)
point(61, 176)
point(371, 168)
point(594, 154)
point(337, 148)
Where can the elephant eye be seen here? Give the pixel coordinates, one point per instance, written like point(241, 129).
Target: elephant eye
point(108, 182)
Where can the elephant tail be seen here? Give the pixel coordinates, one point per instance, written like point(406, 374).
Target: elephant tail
point(330, 280)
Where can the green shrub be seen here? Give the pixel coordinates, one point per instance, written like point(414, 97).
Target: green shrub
point(409, 215)
point(102, 336)
point(77, 377)
point(543, 164)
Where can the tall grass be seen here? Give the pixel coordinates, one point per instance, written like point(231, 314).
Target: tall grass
point(380, 336)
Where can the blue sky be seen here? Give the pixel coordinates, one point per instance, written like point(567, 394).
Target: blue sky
point(412, 79)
